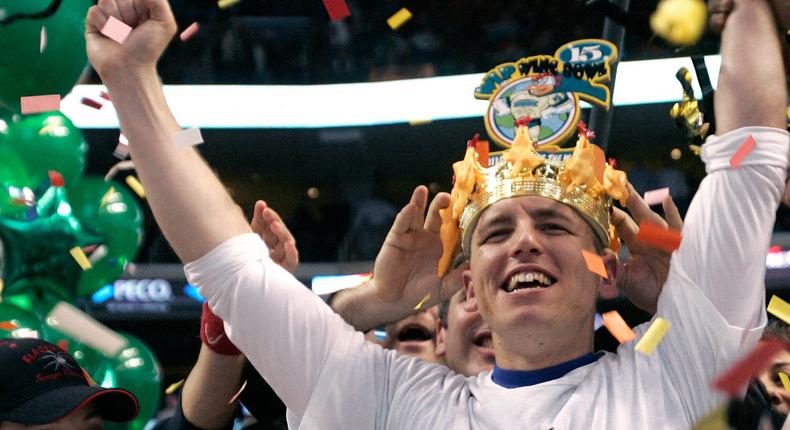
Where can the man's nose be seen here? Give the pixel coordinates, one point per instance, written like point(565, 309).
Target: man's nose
point(526, 241)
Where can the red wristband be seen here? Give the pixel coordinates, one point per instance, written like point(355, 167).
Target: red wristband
point(212, 333)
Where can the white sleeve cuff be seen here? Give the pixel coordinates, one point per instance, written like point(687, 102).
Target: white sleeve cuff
point(771, 148)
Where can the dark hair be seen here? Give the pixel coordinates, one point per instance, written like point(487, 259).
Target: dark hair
point(777, 329)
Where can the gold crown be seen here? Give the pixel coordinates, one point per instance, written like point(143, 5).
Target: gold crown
point(582, 180)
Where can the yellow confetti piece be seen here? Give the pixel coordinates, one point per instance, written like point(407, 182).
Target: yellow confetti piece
point(785, 381)
point(2, 285)
point(399, 18)
point(780, 309)
point(416, 122)
point(174, 387)
point(422, 302)
point(716, 420)
point(135, 185)
point(653, 336)
point(107, 196)
point(224, 4)
point(79, 256)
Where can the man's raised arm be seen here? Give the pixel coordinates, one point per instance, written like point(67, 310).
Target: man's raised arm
point(179, 185)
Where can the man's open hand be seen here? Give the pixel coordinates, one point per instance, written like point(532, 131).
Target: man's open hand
point(645, 273)
point(405, 269)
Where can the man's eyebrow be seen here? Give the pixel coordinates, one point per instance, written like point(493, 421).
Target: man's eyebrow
point(548, 213)
point(495, 221)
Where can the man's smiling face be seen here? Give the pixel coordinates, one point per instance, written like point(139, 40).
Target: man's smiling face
point(527, 274)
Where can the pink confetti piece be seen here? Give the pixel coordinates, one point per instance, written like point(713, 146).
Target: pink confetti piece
point(43, 40)
point(747, 147)
point(188, 137)
point(656, 197)
point(238, 393)
point(733, 380)
point(121, 151)
point(104, 95)
point(190, 31)
point(38, 104)
point(337, 9)
point(116, 30)
point(91, 103)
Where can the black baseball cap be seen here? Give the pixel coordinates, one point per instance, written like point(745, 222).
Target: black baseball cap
point(40, 383)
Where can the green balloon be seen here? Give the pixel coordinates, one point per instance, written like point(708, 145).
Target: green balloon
point(109, 210)
point(45, 142)
point(135, 369)
point(13, 175)
point(25, 68)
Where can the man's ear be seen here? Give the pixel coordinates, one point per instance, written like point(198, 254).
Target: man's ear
point(608, 288)
point(441, 345)
point(470, 304)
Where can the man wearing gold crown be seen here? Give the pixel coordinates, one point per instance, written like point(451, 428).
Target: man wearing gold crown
point(527, 275)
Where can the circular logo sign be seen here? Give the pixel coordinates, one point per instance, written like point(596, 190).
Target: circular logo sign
point(534, 102)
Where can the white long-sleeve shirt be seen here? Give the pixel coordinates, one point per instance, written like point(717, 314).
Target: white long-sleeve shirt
point(331, 378)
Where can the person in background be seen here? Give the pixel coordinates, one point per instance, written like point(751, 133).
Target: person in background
point(43, 388)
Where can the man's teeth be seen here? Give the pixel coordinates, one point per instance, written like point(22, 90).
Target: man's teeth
point(522, 278)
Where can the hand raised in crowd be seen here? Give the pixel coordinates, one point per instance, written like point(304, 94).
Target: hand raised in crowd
point(405, 268)
point(153, 26)
point(645, 273)
point(271, 228)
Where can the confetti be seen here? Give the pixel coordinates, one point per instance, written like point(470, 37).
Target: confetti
point(38, 104)
point(785, 381)
point(716, 420)
point(56, 179)
point(104, 95)
point(238, 393)
point(188, 137)
point(135, 185)
point(422, 301)
point(172, 388)
point(43, 40)
point(618, 327)
point(224, 4)
point(98, 254)
point(121, 151)
point(189, 32)
point(598, 322)
point(741, 373)
point(656, 197)
point(337, 9)
point(109, 195)
point(595, 263)
point(483, 150)
point(71, 321)
point(63, 344)
point(399, 18)
point(24, 333)
point(121, 165)
point(779, 308)
point(416, 122)
point(8, 325)
point(116, 29)
point(80, 257)
point(657, 236)
point(747, 147)
point(653, 336)
point(2, 285)
point(91, 103)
